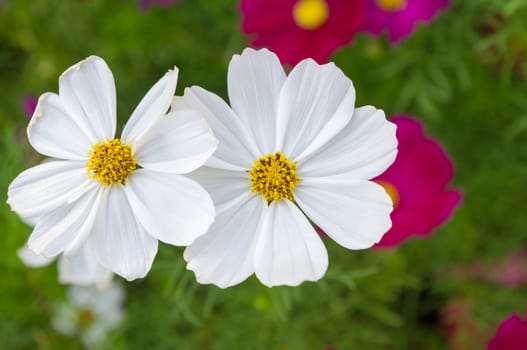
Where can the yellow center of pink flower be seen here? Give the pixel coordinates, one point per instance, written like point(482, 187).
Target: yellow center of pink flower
point(310, 14)
point(391, 191)
point(391, 5)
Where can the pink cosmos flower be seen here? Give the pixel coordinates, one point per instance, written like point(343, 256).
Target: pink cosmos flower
point(298, 29)
point(510, 271)
point(511, 335)
point(399, 17)
point(417, 182)
point(29, 103)
point(145, 4)
point(458, 324)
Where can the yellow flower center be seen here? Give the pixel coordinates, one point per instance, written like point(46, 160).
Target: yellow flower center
point(274, 176)
point(391, 5)
point(111, 162)
point(391, 191)
point(85, 319)
point(310, 14)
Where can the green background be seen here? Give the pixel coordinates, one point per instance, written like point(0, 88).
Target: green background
point(464, 76)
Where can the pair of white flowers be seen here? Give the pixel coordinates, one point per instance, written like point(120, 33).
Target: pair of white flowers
point(235, 185)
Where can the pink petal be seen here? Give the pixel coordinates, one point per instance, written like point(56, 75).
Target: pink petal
point(421, 218)
point(273, 26)
point(29, 104)
point(511, 335)
point(420, 174)
point(400, 24)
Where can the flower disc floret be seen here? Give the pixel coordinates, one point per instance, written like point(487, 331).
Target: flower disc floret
point(86, 318)
point(111, 162)
point(391, 190)
point(310, 14)
point(274, 176)
point(391, 5)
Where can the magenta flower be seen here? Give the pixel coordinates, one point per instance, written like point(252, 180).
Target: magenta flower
point(509, 271)
point(459, 325)
point(417, 182)
point(298, 29)
point(399, 17)
point(29, 103)
point(511, 335)
point(145, 4)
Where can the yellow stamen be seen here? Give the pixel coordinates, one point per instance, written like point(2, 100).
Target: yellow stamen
point(86, 318)
point(391, 5)
point(310, 14)
point(391, 191)
point(274, 176)
point(111, 162)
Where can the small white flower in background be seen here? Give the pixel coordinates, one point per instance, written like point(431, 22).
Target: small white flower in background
point(80, 269)
point(120, 195)
point(290, 147)
point(90, 313)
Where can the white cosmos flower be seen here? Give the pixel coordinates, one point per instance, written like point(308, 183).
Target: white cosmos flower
point(121, 195)
point(290, 147)
point(82, 269)
point(90, 313)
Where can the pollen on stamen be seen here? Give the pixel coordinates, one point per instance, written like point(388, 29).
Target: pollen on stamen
point(274, 177)
point(111, 162)
point(391, 5)
point(310, 14)
point(391, 190)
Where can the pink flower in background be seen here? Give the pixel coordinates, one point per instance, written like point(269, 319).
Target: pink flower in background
point(417, 182)
point(145, 4)
point(459, 325)
point(298, 29)
point(511, 335)
point(509, 271)
point(399, 17)
point(29, 103)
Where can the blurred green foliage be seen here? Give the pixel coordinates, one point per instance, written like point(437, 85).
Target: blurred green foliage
point(464, 75)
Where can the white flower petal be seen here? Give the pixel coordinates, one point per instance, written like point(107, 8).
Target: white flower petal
point(316, 102)
point(87, 92)
point(83, 269)
point(29, 258)
point(30, 220)
point(254, 81)
point(224, 256)
point(151, 108)
point(105, 304)
point(119, 241)
point(54, 133)
point(355, 213)
point(109, 305)
point(47, 186)
point(288, 250)
point(365, 148)
point(237, 149)
point(66, 226)
point(224, 186)
point(172, 208)
point(179, 143)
